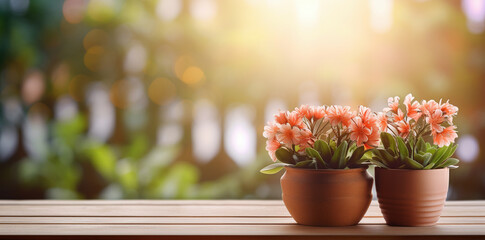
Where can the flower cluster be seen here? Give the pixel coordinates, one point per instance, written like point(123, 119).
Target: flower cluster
point(428, 118)
point(300, 128)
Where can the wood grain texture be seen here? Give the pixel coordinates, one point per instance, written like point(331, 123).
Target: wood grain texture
point(211, 219)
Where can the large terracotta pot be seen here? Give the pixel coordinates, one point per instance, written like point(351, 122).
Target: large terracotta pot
point(327, 197)
point(411, 197)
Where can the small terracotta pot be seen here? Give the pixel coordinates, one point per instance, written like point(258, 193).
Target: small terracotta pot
point(411, 197)
point(327, 197)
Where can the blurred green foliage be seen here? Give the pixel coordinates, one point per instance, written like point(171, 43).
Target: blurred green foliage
point(142, 56)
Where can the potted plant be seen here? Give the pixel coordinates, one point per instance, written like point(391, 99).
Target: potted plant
point(322, 149)
point(413, 163)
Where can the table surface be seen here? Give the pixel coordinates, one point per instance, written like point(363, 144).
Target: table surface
point(211, 219)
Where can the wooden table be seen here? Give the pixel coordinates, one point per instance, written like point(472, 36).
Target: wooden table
point(216, 219)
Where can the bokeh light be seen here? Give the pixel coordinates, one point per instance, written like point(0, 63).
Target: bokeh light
point(161, 91)
point(468, 148)
point(168, 10)
point(206, 131)
point(33, 87)
point(240, 135)
point(73, 10)
point(193, 75)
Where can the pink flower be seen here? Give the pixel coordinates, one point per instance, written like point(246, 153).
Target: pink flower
point(448, 109)
point(304, 111)
point(294, 119)
point(412, 109)
point(280, 117)
point(288, 135)
point(428, 108)
point(404, 128)
point(435, 120)
point(270, 130)
point(373, 139)
point(393, 104)
point(311, 112)
point(271, 147)
point(445, 137)
point(368, 117)
point(382, 121)
point(399, 116)
point(359, 132)
point(338, 114)
point(305, 137)
point(318, 112)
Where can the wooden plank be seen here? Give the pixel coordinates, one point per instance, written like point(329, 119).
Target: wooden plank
point(191, 210)
point(144, 202)
point(187, 202)
point(203, 220)
point(239, 230)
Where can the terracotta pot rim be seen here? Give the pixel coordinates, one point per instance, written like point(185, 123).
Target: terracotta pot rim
point(410, 170)
point(327, 170)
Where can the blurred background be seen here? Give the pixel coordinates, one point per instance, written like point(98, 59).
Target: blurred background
point(168, 98)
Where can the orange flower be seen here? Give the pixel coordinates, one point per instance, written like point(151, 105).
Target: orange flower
point(311, 112)
point(271, 147)
point(288, 135)
point(305, 136)
point(428, 108)
point(393, 104)
point(280, 117)
point(305, 111)
point(294, 119)
point(404, 128)
point(359, 132)
point(435, 120)
point(448, 109)
point(270, 130)
point(318, 112)
point(373, 140)
point(445, 137)
point(412, 108)
point(399, 116)
point(368, 117)
point(337, 114)
point(382, 121)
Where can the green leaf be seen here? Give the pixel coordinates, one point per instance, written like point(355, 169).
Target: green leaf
point(333, 146)
point(284, 155)
point(403, 150)
point(324, 150)
point(388, 141)
point(356, 156)
point(410, 145)
point(430, 149)
point(338, 158)
point(449, 152)
point(412, 163)
point(419, 158)
point(386, 155)
point(377, 162)
point(273, 168)
point(429, 166)
point(438, 155)
point(314, 154)
point(351, 149)
point(304, 163)
point(421, 145)
point(426, 158)
point(449, 163)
